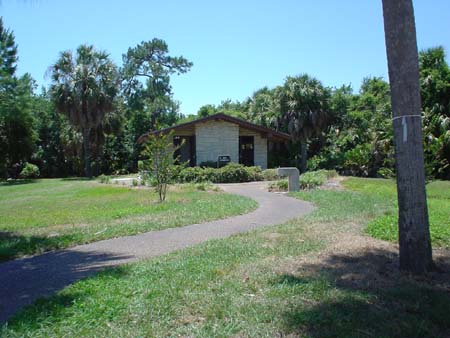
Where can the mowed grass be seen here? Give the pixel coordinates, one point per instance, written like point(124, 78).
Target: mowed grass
point(386, 227)
point(55, 213)
point(265, 283)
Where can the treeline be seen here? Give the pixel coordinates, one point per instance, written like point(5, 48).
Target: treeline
point(336, 128)
point(88, 120)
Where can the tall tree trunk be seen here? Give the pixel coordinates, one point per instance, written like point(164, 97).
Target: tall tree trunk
point(304, 155)
point(87, 152)
point(401, 48)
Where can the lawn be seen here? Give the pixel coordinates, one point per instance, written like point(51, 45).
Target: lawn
point(294, 279)
point(385, 227)
point(41, 215)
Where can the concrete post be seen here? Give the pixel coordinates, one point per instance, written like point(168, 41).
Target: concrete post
point(293, 177)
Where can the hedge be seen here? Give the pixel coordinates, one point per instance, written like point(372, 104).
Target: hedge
point(231, 173)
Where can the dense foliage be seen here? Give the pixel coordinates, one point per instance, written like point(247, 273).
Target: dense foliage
point(351, 132)
point(332, 128)
point(17, 134)
point(83, 88)
point(231, 173)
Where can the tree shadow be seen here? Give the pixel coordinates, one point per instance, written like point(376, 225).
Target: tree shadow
point(26, 280)
point(77, 179)
point(363, 294)
point(17, 182)
point(13, 245)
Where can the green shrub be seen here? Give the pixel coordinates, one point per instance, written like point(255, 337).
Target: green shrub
point(134, 182)
point(236, 173)
point(196, 174)
point(30, 171)
point(313, 179)
point(270, 175)
point(357, 160)
point(330, 173)
point(141, 165)
point(315, 162)
point(386, 173)
point(255, 173)
point(280, 185)
point(231, 173)
point(144, 176)
point(104, 179)
point(308, 180)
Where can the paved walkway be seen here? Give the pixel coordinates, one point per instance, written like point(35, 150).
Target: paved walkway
point(24, 280)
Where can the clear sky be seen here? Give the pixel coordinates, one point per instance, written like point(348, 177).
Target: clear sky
point(236, 46)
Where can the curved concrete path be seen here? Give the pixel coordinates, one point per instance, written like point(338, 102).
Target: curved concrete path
point(24, 280)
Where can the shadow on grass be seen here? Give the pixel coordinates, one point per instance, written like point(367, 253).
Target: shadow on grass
point(77, 179)
point(23, 281)
point(364, 295)
point(17, 182)
point(13, 245)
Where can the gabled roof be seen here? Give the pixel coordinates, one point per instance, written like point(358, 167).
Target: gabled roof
point(269, 133)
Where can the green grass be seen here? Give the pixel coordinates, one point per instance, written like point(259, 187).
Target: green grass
point(48, 214)
point(386, 227)
point(250, 285)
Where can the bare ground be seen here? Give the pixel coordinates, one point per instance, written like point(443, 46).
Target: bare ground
point(359, 261)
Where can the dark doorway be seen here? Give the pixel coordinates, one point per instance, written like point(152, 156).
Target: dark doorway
point(187, 151)
point(247, 150)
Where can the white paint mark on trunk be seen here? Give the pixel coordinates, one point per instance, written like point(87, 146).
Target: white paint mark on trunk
point(405, 129)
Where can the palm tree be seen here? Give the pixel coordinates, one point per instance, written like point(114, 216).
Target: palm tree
point(403, 64)
point(83, 87)
point(263, 108)
point(305, 105)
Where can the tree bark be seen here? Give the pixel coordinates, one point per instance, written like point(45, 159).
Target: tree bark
point(87, 153)
point(304, 155)
point(403, 64)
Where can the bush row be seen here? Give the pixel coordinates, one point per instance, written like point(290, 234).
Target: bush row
point(237, 173)
point(231, 173)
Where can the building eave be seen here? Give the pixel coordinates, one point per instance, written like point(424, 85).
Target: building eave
point(266, 132)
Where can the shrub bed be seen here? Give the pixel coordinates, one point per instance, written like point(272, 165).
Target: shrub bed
point(231, 173)
point(270, 175)
point(313, 179)
point(237, 173)
point(280, 185)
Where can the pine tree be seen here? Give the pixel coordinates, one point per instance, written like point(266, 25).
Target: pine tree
point(16, 123)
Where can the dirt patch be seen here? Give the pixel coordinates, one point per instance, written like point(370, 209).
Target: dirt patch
point(357, 261)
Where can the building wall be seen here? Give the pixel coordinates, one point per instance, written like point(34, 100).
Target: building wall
point(260, 147)
point(214, 138)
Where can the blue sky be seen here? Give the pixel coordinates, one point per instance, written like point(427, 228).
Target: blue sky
point(236, 46)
